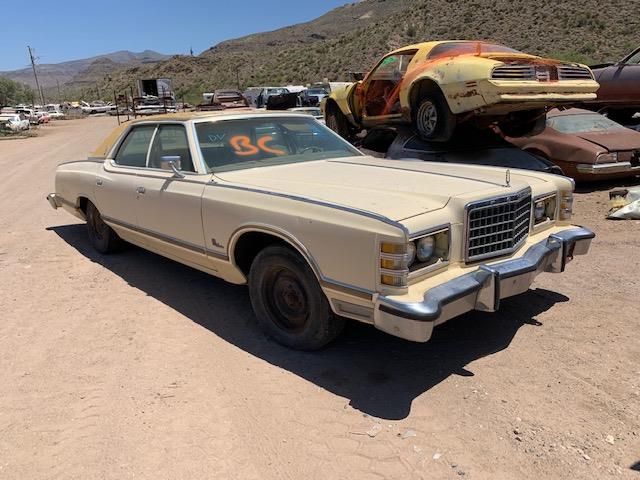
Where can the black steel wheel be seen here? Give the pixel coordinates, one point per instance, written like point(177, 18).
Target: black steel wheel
point(101, 235)
point(288, 302)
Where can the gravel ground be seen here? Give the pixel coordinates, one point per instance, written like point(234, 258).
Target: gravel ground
point(132, 365)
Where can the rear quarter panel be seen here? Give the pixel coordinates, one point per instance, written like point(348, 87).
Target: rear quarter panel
point(74, 180)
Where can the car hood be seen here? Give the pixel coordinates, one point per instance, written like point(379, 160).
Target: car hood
point(396, 189)
point(622, 139)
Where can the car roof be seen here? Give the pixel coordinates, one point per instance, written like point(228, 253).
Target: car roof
point(431, 44)
point(236, 113)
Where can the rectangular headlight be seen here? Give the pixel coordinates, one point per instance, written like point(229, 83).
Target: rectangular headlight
point(544, 209)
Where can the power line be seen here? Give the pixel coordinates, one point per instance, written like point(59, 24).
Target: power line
point(33, 65)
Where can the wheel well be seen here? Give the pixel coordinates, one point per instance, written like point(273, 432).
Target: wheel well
point(82, 204)
point(422, 88)
point(250, 244)
point(330, 105)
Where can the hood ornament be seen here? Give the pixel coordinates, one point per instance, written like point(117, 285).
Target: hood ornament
point(507, 178)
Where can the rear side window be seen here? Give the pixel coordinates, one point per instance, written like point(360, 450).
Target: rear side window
point(134, 148)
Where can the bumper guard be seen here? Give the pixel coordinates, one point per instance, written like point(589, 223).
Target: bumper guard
point(481, 289)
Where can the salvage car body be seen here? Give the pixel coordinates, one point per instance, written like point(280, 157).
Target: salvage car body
point(619, 92)
point(469, 146)
point(353, 219)
point(476, 79)
point(15, 122)
point(586, 145)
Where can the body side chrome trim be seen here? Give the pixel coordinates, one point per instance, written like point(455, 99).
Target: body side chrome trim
point(166, 238)
point(89, 160)
point(322, 203)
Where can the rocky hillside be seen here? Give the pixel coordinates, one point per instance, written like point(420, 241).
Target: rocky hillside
point(354, 36)
point(65, 72)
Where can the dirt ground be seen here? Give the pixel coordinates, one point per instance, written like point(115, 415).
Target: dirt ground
point(133, 366)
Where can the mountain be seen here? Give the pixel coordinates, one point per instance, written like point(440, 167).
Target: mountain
point(354, 36)
point(64, 72)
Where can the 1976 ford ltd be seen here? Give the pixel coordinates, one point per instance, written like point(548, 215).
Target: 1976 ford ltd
point(319, 231)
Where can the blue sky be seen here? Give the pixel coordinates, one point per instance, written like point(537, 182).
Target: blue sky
point(63, 30)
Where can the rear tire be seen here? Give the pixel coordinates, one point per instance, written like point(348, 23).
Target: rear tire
point(288, 302)
point(433, 119)
point(101, 235)
point(337, 122)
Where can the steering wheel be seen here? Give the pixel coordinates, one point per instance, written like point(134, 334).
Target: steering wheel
point(312, 149)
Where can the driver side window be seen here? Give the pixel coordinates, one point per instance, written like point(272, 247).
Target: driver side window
point(171, 141)
point(382, 91)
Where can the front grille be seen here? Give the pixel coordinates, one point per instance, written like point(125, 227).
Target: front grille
point(514, 72)
point(573, 72)
point(498, 226)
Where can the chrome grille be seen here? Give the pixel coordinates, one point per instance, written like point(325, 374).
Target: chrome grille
point(514, 72)
point(498, 226)
point(573, 72)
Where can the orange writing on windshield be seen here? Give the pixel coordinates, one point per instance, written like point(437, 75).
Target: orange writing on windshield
point(242, 146)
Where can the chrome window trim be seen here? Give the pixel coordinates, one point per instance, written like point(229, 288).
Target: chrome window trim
point(115, 147)
point(113, 164)
point(533, 228)
point(488, 202)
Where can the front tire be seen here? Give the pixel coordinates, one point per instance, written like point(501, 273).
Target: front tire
point(101, 235)
point(337, 122)
point(433, 119)
point(288, 302)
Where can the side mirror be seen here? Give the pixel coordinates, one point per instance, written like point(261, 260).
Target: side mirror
point(173, 163)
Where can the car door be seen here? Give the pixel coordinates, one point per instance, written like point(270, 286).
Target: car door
point(380, 91)
point(169, 204)
point(115, 190)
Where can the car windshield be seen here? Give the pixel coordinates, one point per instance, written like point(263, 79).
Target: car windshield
point(316, 91)
point(259, 142)
point(589, 122)
point(462, 48)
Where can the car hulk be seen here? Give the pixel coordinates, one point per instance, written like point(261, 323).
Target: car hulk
point(436, 85)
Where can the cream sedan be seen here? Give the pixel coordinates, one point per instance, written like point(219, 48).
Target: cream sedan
point(319, 231)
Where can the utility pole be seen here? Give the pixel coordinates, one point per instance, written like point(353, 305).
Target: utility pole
point(59, 96)
point(33, 65)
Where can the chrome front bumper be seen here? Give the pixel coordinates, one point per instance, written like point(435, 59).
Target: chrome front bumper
point(606, 168)
point(481, 289)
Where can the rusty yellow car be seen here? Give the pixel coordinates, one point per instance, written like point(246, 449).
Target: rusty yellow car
point(319, 231)
point(435, 85)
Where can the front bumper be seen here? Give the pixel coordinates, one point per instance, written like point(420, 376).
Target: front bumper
point(481, 289)
point(607, 168)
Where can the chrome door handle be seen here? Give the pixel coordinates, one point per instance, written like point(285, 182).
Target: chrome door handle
point(99, 182)
point(140, 190)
